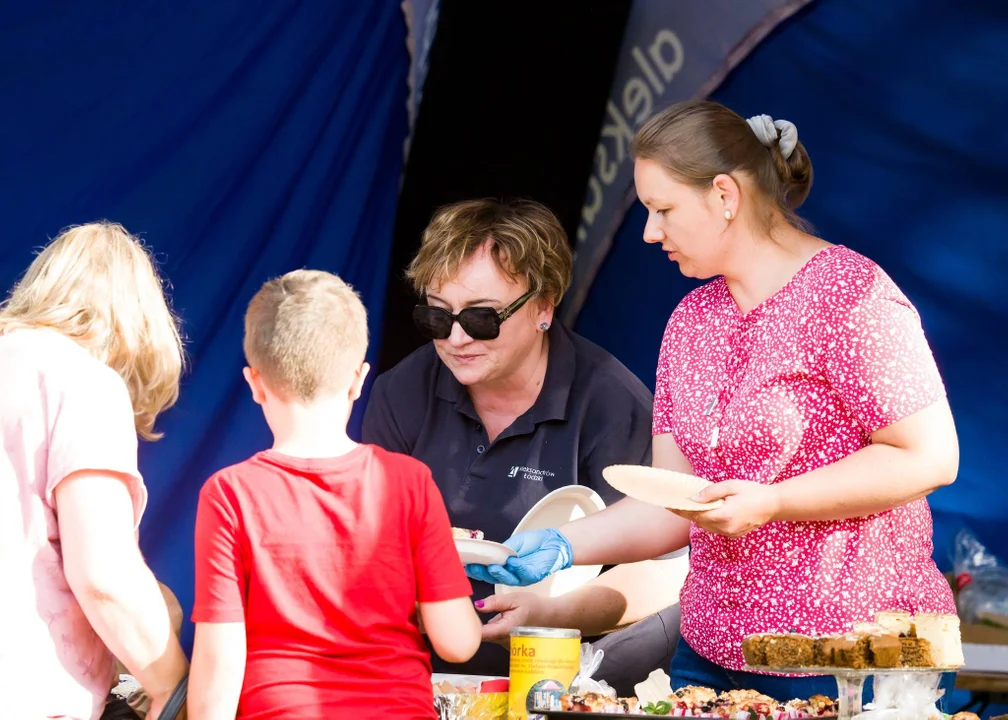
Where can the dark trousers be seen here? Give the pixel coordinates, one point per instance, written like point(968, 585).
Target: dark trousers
point(632, 653)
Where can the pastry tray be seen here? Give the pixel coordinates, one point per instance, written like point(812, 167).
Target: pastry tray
point(549, 714)
point(850, 672)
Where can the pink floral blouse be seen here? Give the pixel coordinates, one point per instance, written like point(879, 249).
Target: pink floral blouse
point(797, 383)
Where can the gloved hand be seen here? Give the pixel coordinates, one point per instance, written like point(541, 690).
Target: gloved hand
point(539, 554)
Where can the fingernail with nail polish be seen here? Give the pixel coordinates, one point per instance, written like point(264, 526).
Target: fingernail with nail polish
point(479, 604)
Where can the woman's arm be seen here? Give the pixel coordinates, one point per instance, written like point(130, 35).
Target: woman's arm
point(632, 531)
point(115, 588)
point(906, 461)
point(628, 531)
point(877, 361)
point(622, 596)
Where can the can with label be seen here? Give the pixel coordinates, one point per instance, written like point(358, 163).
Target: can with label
point(544, 661)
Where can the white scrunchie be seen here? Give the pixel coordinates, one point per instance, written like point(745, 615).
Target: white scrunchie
point(766, 130)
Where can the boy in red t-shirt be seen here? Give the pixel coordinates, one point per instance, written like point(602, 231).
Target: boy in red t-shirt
point(314, 558)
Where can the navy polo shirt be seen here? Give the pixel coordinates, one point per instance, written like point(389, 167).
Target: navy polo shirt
point(591, 412)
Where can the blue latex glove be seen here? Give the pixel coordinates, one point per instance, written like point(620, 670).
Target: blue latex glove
point(539, 554)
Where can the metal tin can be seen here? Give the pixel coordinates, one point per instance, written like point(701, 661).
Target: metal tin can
point(544, 661)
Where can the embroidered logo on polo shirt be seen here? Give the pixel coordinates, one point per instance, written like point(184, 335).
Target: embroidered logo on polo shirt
point(528, 473)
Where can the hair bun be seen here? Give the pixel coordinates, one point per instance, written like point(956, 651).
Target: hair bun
point(795, 174)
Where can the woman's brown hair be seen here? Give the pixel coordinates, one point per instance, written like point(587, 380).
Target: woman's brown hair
point(698, 140)
point(527, 242)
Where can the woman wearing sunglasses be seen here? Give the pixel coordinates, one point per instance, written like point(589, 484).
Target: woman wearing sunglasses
point(504, 406)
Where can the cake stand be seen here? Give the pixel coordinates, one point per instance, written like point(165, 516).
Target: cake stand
point(850, 681)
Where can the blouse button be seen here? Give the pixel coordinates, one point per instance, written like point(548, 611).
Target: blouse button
point(479, 428)
point(480, 449)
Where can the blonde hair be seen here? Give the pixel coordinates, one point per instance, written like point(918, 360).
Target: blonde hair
point(306, 334)
point(527, 242)
point(97, 285)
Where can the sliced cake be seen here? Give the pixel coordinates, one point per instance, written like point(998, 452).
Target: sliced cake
point(896, 621)
point(916, 652)
point(464, 534)
point(886, 651)
point(824, 650)
point(942, 632)
point(788, 650)
point(851, 651)
point(754, 650)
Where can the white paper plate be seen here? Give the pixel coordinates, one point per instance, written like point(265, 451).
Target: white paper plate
point(656, 486)
point(563, 505)
point(482, 552)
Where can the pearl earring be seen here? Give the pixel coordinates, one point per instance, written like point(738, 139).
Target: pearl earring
point(544, 326)
point(727, 215)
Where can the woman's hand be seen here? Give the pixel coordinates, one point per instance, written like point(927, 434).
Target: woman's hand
point(747, 506)
point(513, 610)
point(538, 554)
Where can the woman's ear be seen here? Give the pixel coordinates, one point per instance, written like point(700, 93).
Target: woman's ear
point(726, 196)
point(543, 312)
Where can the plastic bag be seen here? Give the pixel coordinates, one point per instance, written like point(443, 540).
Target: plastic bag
point(470, 697)
point(982, 580)
point(583, 683)
point(132, 694)
point(905, 696)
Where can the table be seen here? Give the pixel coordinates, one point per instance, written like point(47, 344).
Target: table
point(984, 687)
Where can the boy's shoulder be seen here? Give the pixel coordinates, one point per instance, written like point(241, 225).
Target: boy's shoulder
point(402, 475)
point(400, 464)
point(242, 476)
point(233, 478)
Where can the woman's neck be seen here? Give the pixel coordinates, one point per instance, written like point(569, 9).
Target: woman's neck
point(763, 265)
point(508, 397)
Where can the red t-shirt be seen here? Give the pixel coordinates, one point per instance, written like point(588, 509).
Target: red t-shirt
point(324, 561)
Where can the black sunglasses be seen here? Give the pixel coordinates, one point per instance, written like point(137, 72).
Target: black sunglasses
point(479, 323)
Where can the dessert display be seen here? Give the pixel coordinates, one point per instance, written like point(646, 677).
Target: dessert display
point(702, 702)
point(893, 640)
point(598, 703)
point(464, 534)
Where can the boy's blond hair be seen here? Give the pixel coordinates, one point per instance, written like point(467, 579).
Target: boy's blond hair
point(306, 334)
point(97, 285)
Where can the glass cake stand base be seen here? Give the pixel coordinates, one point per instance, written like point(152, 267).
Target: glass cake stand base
point(850, 681)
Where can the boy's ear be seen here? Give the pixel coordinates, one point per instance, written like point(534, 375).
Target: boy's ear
point(357, 386)
point(255, 385)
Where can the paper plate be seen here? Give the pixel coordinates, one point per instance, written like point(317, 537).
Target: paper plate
point(563, 505)
point(482, 552)
point(656, 486)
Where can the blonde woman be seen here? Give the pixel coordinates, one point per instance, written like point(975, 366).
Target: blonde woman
point(89, 355)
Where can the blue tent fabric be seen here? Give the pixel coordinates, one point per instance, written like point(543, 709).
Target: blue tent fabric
point(901, 106)
point(241, 141)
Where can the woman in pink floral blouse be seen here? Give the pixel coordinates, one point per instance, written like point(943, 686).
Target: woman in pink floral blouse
point(799, 380)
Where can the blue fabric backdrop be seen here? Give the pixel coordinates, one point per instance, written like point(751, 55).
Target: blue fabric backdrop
point(242, 140)
point(901, 105)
